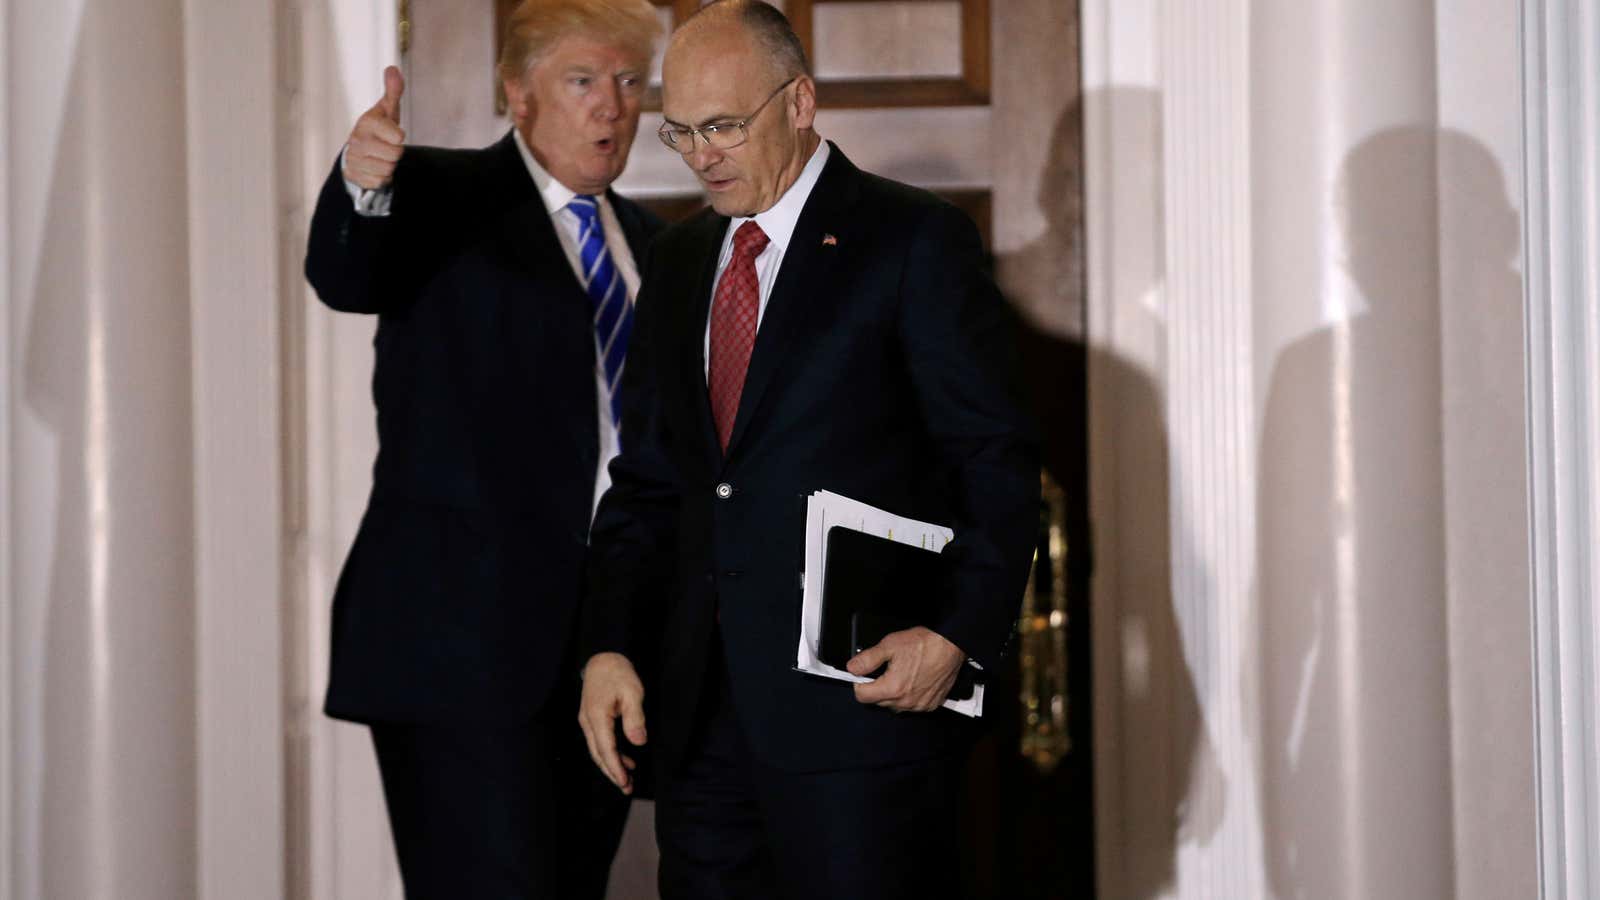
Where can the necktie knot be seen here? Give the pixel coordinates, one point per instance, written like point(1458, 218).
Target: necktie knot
point(750, 240)
point(586, 208)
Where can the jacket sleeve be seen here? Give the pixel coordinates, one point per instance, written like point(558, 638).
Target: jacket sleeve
point(372, 264)
point(961, 349)
point(632, 545)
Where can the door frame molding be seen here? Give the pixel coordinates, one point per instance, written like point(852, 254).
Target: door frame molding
point(1560, 49)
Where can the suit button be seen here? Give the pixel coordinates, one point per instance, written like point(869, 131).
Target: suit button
point(724, 491)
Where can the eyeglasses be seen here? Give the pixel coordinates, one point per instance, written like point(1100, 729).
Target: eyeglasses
point(718, 135)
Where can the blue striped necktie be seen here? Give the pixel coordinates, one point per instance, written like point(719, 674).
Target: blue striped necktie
point(613, 314)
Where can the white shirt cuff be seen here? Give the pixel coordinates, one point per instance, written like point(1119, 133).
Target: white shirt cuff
point(373, 202)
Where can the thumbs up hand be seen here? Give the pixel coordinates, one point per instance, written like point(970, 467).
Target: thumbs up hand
point(377, 141)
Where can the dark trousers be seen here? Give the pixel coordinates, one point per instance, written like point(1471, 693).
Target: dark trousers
point(517, 812)
point(729, 827)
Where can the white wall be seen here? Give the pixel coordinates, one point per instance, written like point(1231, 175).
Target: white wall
point(101, 569)
point(235, 299)
point(1484, 430)
point(143, 750)
point(1307, 448)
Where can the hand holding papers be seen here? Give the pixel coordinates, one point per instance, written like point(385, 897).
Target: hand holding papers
point(873, 586)
point(878, 589)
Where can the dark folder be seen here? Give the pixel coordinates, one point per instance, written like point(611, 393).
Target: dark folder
point(873, 586)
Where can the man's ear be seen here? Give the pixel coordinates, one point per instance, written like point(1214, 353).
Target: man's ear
point(804, 108)
point(517, 103)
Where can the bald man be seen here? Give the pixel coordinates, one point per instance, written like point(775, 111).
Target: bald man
point(817, 328)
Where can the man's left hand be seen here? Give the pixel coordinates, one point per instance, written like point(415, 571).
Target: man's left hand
point(922, 668)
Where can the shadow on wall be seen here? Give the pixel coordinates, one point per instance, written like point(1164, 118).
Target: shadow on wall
point(55, 389)
point(1356, 739)
point(1046, 833)
point(1044, 279)
point(1172, 789)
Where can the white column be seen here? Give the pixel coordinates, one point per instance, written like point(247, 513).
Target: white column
point(1286, 489)
point(1167, 120)
point(1172, 409)
point(100, 590)
point(1209, 410)
point(1561, 68)
point(1485, 437)
point(1355, 737)
point(235, 302)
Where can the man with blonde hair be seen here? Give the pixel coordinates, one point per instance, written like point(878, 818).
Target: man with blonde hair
point(503, 281)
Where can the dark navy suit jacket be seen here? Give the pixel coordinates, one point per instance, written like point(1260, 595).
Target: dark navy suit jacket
point(883, 369)
point(457, 602)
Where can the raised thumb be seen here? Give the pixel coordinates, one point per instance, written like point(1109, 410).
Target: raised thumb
point(394, 84)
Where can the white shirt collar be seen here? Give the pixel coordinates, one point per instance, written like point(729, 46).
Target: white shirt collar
point(555, 194)
point(779, 220)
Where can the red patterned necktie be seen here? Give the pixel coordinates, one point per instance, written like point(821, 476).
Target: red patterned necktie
point(734, 311)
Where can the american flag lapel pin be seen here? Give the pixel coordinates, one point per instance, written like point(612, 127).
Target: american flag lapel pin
point(829, 240)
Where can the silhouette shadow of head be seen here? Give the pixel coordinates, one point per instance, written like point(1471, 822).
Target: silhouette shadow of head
point(1354, 667)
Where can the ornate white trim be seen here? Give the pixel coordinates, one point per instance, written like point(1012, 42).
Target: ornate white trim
point(1169, 230)
point(1561, 112)
point(1210, 422)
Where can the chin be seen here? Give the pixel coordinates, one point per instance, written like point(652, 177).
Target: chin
point(732, 207)
point(599, 181)
point(601, 168)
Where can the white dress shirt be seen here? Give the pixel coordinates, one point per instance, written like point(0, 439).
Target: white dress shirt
point(556, 196)
point(778, 221)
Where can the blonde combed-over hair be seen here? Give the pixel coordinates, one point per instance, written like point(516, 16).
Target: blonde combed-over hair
point(538, 25)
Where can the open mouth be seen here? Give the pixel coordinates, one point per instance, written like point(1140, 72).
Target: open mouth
point(605, 145)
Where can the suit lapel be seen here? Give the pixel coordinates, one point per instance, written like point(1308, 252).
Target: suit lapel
point(691, 366)
point(807, 273)
point(555, 299)
point(525, 224)
point(633, 229)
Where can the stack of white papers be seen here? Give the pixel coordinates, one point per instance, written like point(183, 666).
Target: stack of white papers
point(824, 510)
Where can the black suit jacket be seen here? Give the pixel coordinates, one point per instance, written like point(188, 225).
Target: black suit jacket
point(883, 370)
point(457, 601)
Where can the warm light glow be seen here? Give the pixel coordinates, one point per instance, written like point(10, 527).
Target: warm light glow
point(98, 273)
point(1346, 598)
